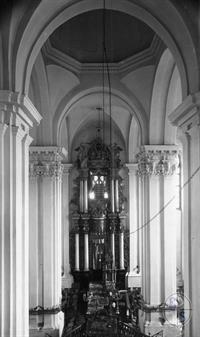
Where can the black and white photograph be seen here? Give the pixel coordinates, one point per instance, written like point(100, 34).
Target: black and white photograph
point(99, 168)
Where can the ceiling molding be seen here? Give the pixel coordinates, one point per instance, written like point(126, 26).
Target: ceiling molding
point(148, 56)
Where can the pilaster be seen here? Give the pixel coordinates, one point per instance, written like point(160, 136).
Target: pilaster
point(134, 275)
point(17, 116)
point(187, 118)
point(156, 167)
point(67, 278)
point(46, 172)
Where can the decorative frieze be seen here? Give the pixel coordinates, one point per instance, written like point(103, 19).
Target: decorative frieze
point(158, 160)
point(46, 161)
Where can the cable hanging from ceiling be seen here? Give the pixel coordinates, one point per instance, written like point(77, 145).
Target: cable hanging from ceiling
point(106, 69)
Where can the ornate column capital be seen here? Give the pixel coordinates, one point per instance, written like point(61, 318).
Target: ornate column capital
point(160, 160)
point(187, 114)
point(46, 161)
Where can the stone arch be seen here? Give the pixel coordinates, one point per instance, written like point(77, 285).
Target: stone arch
point(87, 123)
point(174, 98)
point(159, 129)
point(134, 140)
point(40, 84)
point(35, 35)
point(134, 108)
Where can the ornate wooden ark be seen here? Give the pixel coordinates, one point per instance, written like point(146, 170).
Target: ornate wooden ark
point(99, 217)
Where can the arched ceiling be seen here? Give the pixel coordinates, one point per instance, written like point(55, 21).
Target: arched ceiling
point(82, 36)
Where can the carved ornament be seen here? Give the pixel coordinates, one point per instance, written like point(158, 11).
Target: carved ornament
point(159, 162)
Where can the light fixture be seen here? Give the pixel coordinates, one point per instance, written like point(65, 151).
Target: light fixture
point(92, 195)
point(98, 178)
point(105, 195)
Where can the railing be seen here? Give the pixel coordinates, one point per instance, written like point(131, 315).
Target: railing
point(124, 330)
point(78, 331)
point(130, 331)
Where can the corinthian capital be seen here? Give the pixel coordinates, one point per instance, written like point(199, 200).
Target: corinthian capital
point(46, 161)
point(158, 160)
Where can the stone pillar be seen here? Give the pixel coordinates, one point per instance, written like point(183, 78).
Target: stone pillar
point(187, 118)
point(17, 115)
point(67, 278)
point(156, 166)
point(45, 223)
point(134, 277)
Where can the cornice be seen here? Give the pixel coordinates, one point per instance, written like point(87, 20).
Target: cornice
point(47, 153)
point(187, 113)
point(148, 56)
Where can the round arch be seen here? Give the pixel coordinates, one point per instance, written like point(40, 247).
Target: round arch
point(35, 35)
point(159, 97)
point(88, 124)
point(67, 104)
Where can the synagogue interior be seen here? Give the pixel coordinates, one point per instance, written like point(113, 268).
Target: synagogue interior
point(99, 168)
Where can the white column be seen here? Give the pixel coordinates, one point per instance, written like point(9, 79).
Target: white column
point(17, 115)
point(121, 250)
point(25, 213)
point(77, 267)
point(67, 278)
point(134, 279)
point(157, 165)
point(154, 224)
point(86, 252)
point(170, 222)
point(45, 225)
point(186, 117)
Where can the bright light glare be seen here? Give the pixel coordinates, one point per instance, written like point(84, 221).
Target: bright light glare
point(92, 195)
point(105, 195)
